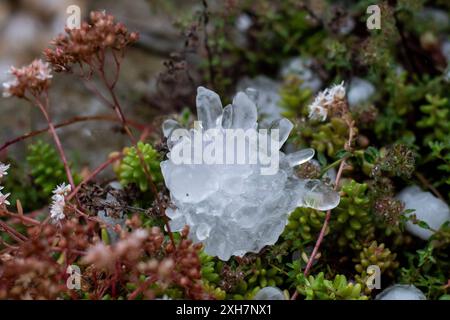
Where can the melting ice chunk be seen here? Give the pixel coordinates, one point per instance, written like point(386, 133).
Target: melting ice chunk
point(428, 208)
point(297, 158)
point(269, 293)
point(319, 196)
point(401, 292)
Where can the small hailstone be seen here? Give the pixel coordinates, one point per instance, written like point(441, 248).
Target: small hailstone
point(301, 67)
point(318, 110)
point(359, 91)
point(3, 169)
point(428, 208)
point(233, 208)
point(3, 198)
point(59, 202)
point(401, 292)
point(269, 293)
point(243, 22)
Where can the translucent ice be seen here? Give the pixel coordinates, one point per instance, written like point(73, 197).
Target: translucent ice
point(269, 293)
point(401, 292)
point(232, 207)
point(428, 208)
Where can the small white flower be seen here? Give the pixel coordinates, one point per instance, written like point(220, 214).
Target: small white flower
point(3, 169)
point(43, 71)
point(318, 110)
point(337, 91)
point(63, 189)
point(3, 198)
point(59, 202)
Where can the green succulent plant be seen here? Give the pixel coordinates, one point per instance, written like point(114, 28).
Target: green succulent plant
point(319, 288)
point(130, 169)
point(436, 118)
point(374, 254)
point(303, 225)
point(293, 98)
point(352, 217)
point(257, 275)
point(327, 138)
point(45, 166)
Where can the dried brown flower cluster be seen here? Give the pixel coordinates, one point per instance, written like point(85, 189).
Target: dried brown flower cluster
point(31, 271)
point(33, 78)
point(89, 43)
point(145, 252)
point(389, 209)
point(141, 264)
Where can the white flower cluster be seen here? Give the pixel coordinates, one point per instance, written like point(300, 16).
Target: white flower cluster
point(233, 208)
point(3, 172)
point(59, 202)
point(318, 110)
point(34, 76)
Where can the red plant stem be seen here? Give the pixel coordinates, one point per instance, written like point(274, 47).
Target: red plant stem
point(12, 232)
point(312, 257)
point(118, 109)
point(22, 218)
point(142, 287)
point(57, 142)
point(69, 122)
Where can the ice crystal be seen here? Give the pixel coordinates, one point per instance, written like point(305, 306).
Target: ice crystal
point(427, 208)
point(233, 208)
point(401, 292)
point(269, 293)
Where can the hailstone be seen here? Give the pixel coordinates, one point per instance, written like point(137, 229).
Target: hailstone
point(269, 293)
point(401, 292)
point(427, 208)
point(235, 207)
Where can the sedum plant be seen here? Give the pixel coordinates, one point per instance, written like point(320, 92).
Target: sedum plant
point(130, 169)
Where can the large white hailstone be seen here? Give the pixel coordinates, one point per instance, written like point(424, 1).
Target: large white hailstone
point(428, 208)
point(401, 292)
point(359, 91)
point(302, 68)
point(265, 96)
point(269, 293)
point(235, 208)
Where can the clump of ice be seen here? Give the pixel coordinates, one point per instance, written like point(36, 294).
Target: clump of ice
point(234, 208)
point(428, 208)
point(359, 91)
point(401, 292)
point(265, 96)
point(269, 293)
point(302, 68)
